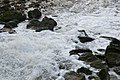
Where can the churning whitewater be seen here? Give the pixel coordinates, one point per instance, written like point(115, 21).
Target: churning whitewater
point(27, 54)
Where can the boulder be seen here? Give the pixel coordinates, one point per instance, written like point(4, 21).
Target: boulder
point(104, 75)
point(7, 16)
point(84, 39)
point(36, 14)
point(45, 24)
point(112, 53)
point(74, 76)
point(84, 70)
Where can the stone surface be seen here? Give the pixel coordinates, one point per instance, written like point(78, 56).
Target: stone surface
point(74, 76)
point(36, 14)
point(104, 75)
point(84, 70)
point(112, 53)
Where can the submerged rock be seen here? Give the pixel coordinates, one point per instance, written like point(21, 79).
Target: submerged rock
point(74, 76)
point(112, 53)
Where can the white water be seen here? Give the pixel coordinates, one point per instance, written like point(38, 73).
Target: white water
point(27, 54)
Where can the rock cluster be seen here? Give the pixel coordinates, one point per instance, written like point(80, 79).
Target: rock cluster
point(103, 63)
point(13, 12)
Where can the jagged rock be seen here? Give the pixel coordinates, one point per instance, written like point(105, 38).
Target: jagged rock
point(85, 39)
point(36, 14)
point(117, 70)
point(45, 24)
point(99, 64)
point(88, 57)
point(74, 76)
point(84, 70)
point(76, 51)
point(112, 53)
point(12, 15)
point(104, 75)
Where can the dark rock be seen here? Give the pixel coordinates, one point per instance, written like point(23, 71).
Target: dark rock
point(99, 64)
point(76, 51)
point(45, 24)
point(12, 15)
point(101, 50)
point(11, 24)
point(74, 76)
point(88, 57)
point(84, 70)
point(94, 78)
point(112, 53)
point(33, 24)
point(12, 32)
point(34, 14)
point(101, 57)
point(85, 39)
point(117, 70)
point(104, 75)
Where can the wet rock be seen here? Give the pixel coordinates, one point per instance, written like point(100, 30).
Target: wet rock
point(45, 24)
point(5, 30)
point(94, 78)
point(113, 77)
point(101, 50)
point(112, 53)
point(12, 32)
point(36, 14)
point(101, 57)
point(11, 24)
point(88, 57)
point(99, 64)
point(76, 51)
point(33, 24)
point(117, 70)
point(12, 15)
point(85, 39)
point(74, 76)
point(104, 75)
point(84, 70)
